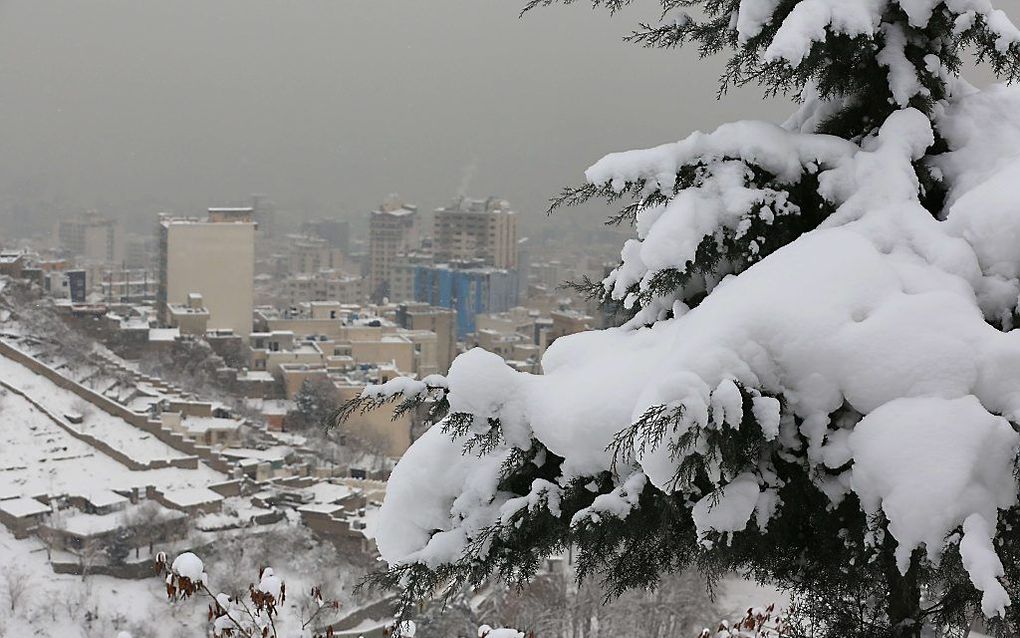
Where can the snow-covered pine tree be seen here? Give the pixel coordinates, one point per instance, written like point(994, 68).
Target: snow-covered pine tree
point(818, 385)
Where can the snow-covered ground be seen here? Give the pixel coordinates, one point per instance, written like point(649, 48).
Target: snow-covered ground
point(36, 456)
point(98, 607)
point(114, 431)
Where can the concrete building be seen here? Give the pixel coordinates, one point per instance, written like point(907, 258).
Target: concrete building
point(335, 231)
point(468, 290)
point(441, 321)
point(191, 318)
point(477, 229)
point(568, 322)
point(92, 237)
point(311, 254)
point(393, 233)
point(324, 284)
point(214, 258)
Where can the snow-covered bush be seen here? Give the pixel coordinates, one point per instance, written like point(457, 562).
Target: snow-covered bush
point(819, 383)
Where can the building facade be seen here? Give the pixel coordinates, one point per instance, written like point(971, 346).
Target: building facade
point(214, 258)
point(393, 233)
point(469, 291)
point(93, 237)
point(477, 229)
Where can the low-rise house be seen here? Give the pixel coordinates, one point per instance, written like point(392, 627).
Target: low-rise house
point(22, 515)
point(191, 500)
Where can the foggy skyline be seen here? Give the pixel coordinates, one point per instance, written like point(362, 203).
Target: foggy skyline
point(136, 106)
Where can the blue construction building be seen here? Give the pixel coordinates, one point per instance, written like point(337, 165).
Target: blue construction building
point(469, 290)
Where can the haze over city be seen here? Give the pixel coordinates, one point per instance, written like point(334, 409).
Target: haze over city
point(136, 106)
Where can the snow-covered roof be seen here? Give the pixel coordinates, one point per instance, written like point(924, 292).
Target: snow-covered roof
point(23, 506)
point(164, 334)
point(92, 524)
point(321, 508)
point(325, 492)
point(201, 424)
point(192, 496)
point(103, 498)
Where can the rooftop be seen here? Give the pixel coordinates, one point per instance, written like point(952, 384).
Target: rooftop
point(23, 506)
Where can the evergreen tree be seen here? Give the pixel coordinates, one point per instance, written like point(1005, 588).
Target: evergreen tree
point(815, 386)
point(314, 402)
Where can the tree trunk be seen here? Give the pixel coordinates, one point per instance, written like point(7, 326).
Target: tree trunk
point(903, 600)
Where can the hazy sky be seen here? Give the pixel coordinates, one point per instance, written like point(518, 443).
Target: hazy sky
point(135, 106)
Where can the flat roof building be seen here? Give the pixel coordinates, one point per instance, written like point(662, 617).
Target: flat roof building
point(214, 258)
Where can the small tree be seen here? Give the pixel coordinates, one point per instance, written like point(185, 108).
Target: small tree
point(118, 547)
point(314, 403)
point(18, 584)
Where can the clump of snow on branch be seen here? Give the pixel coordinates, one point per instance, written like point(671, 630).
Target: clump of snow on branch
point(811, 21)
point(233, 616)
point(486, 631)
point(897, 326)
point(189, 566)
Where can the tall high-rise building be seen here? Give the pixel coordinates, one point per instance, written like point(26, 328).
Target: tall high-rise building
point(393, 232)
point(93, 237)
point(214, 258)
point(477, 229)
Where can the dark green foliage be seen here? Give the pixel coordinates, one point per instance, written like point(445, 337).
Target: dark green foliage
point(314, 404)
point(837, 564)
point(119, 545)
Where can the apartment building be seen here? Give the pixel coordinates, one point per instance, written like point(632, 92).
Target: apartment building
point(469, 290)
point(214, 258)
point(477, 229)
point(92, 237)
point(393, 233)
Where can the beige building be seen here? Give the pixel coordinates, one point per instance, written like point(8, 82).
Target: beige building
point(567, 322)
point(191, 318)
point(325, 284)
point(377, 427)
point(393, 233)
point(441, 321)
point(470, 229)
point(312, 254)
point(92, 237)
point(214, 258)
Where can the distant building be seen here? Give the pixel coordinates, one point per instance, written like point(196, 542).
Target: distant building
point(191, 317)
point(325, 284)
point(214, 258)
point(93, 237)
point(568, 322)
point(477, 229)
point(263, 212)
point(12, 263)
point(393, 232)
point(335, 231)
point(442, 321)
point(467, 290)
point(308, 254)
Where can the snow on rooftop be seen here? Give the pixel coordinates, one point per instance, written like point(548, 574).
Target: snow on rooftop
point(21, 507)
point(325, 492)
point(103, 498)
point(321, 508)
point(164, 334)
point(275, 453)
point(192, 496)
point(200, 424)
